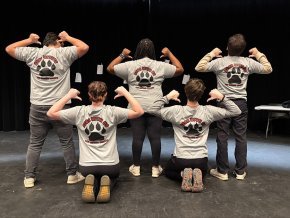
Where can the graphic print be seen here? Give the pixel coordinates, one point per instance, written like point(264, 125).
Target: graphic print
point(235, 73)
point(46, 68)
point(94, 131)
point(144, 77)
point(193, 127)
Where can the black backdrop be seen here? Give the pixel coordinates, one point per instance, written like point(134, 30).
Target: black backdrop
point(189, 28)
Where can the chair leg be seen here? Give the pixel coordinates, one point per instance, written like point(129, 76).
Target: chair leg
point(268, 124)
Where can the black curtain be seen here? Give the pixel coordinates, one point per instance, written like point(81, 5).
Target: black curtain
point(189, 28)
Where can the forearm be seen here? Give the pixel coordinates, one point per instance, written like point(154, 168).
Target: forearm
point(53, 112)
point(202, 64)
point(176, 63)
point(231, 108)
point(264, 61)
point(114, 62)
point(10, 49)
point(155, 108)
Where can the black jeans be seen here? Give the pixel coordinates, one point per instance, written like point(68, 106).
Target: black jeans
point(239, 127)
point(152, 126)
point(175, 165)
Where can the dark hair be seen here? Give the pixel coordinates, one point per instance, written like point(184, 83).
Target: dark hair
point(145, 48)
point(97, 91)
point(194, 89)
point(50, 39)
point(236, 45)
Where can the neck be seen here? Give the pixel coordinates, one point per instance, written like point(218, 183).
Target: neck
point(97, 104)
point(192, 104)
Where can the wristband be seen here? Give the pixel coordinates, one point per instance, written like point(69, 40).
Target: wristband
point(222, 99)
point(122, 56)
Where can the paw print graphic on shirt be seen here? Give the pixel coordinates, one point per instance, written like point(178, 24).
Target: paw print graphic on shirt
point(46, 68)
point(193, 129)
point(94, 131)
point(144, 79)
point(235, 75)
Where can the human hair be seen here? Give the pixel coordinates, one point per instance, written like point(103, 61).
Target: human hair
point(97, 91)
point(50, 39)
point(236, 45)
point(194, 89)
point(145, 48)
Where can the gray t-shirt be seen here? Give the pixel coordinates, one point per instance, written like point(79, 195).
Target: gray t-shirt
point(191, 125)
point(145, 77)
point(232, 74)
point(50, 72)
point(97, 132)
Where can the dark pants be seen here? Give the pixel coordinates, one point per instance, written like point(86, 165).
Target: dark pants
point(40, 124)
point(175, 165)
point(239, 127)
point(113, 171)
point(152, 126)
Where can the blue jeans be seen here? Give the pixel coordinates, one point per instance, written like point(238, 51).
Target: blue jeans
point(239, 127)
point(39, 127)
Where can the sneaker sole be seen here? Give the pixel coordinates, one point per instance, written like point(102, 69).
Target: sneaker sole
point(186, 184)
point(197, 181)
point(88, 194)
point(104, 192)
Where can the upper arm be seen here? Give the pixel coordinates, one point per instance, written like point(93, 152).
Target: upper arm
point(82, 50)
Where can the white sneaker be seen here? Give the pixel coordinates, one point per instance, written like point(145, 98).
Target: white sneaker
point(215, 173)
point(240, 176)
point(135, 170)
point(156, 171)
point(29, 182)
point(72, 179)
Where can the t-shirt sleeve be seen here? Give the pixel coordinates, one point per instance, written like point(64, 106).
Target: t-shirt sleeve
point(121, 70)
point(169, 70)
point(69, 116)
point(120, 114)
point(25, 54)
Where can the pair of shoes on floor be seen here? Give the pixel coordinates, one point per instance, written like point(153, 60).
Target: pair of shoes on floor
point(104, 191)
point(189, 176)
point(29, 182)
point(134, 170)
point(240, 176)
point(88, 193)
point(156, 171)
point(217, 174)
point(72, 179)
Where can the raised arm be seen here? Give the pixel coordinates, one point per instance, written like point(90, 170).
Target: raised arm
point(125, 54)
point(231, 108)
point(202, 64)
point(155, 108)
point(33, 38)
point(167, 53)
point(54, 112)
point(82, 48)
point(136, 110)
point(254, 52)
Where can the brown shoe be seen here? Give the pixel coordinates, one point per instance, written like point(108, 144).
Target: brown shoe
point(104, 192)
point(88, 194)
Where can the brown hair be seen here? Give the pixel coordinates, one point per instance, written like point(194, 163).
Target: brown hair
point(236, 45)
point(97, 91)
point(194, 89)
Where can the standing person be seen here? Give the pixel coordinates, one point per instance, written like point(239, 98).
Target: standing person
point(50, 80)
point(191, 123)
point(97, 127)
point(144, 76)
point(232, 74)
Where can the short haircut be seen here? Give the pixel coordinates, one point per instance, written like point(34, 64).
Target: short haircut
point(194, 89)
point(97, 91)
point(236, 45)
point(50, 39)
